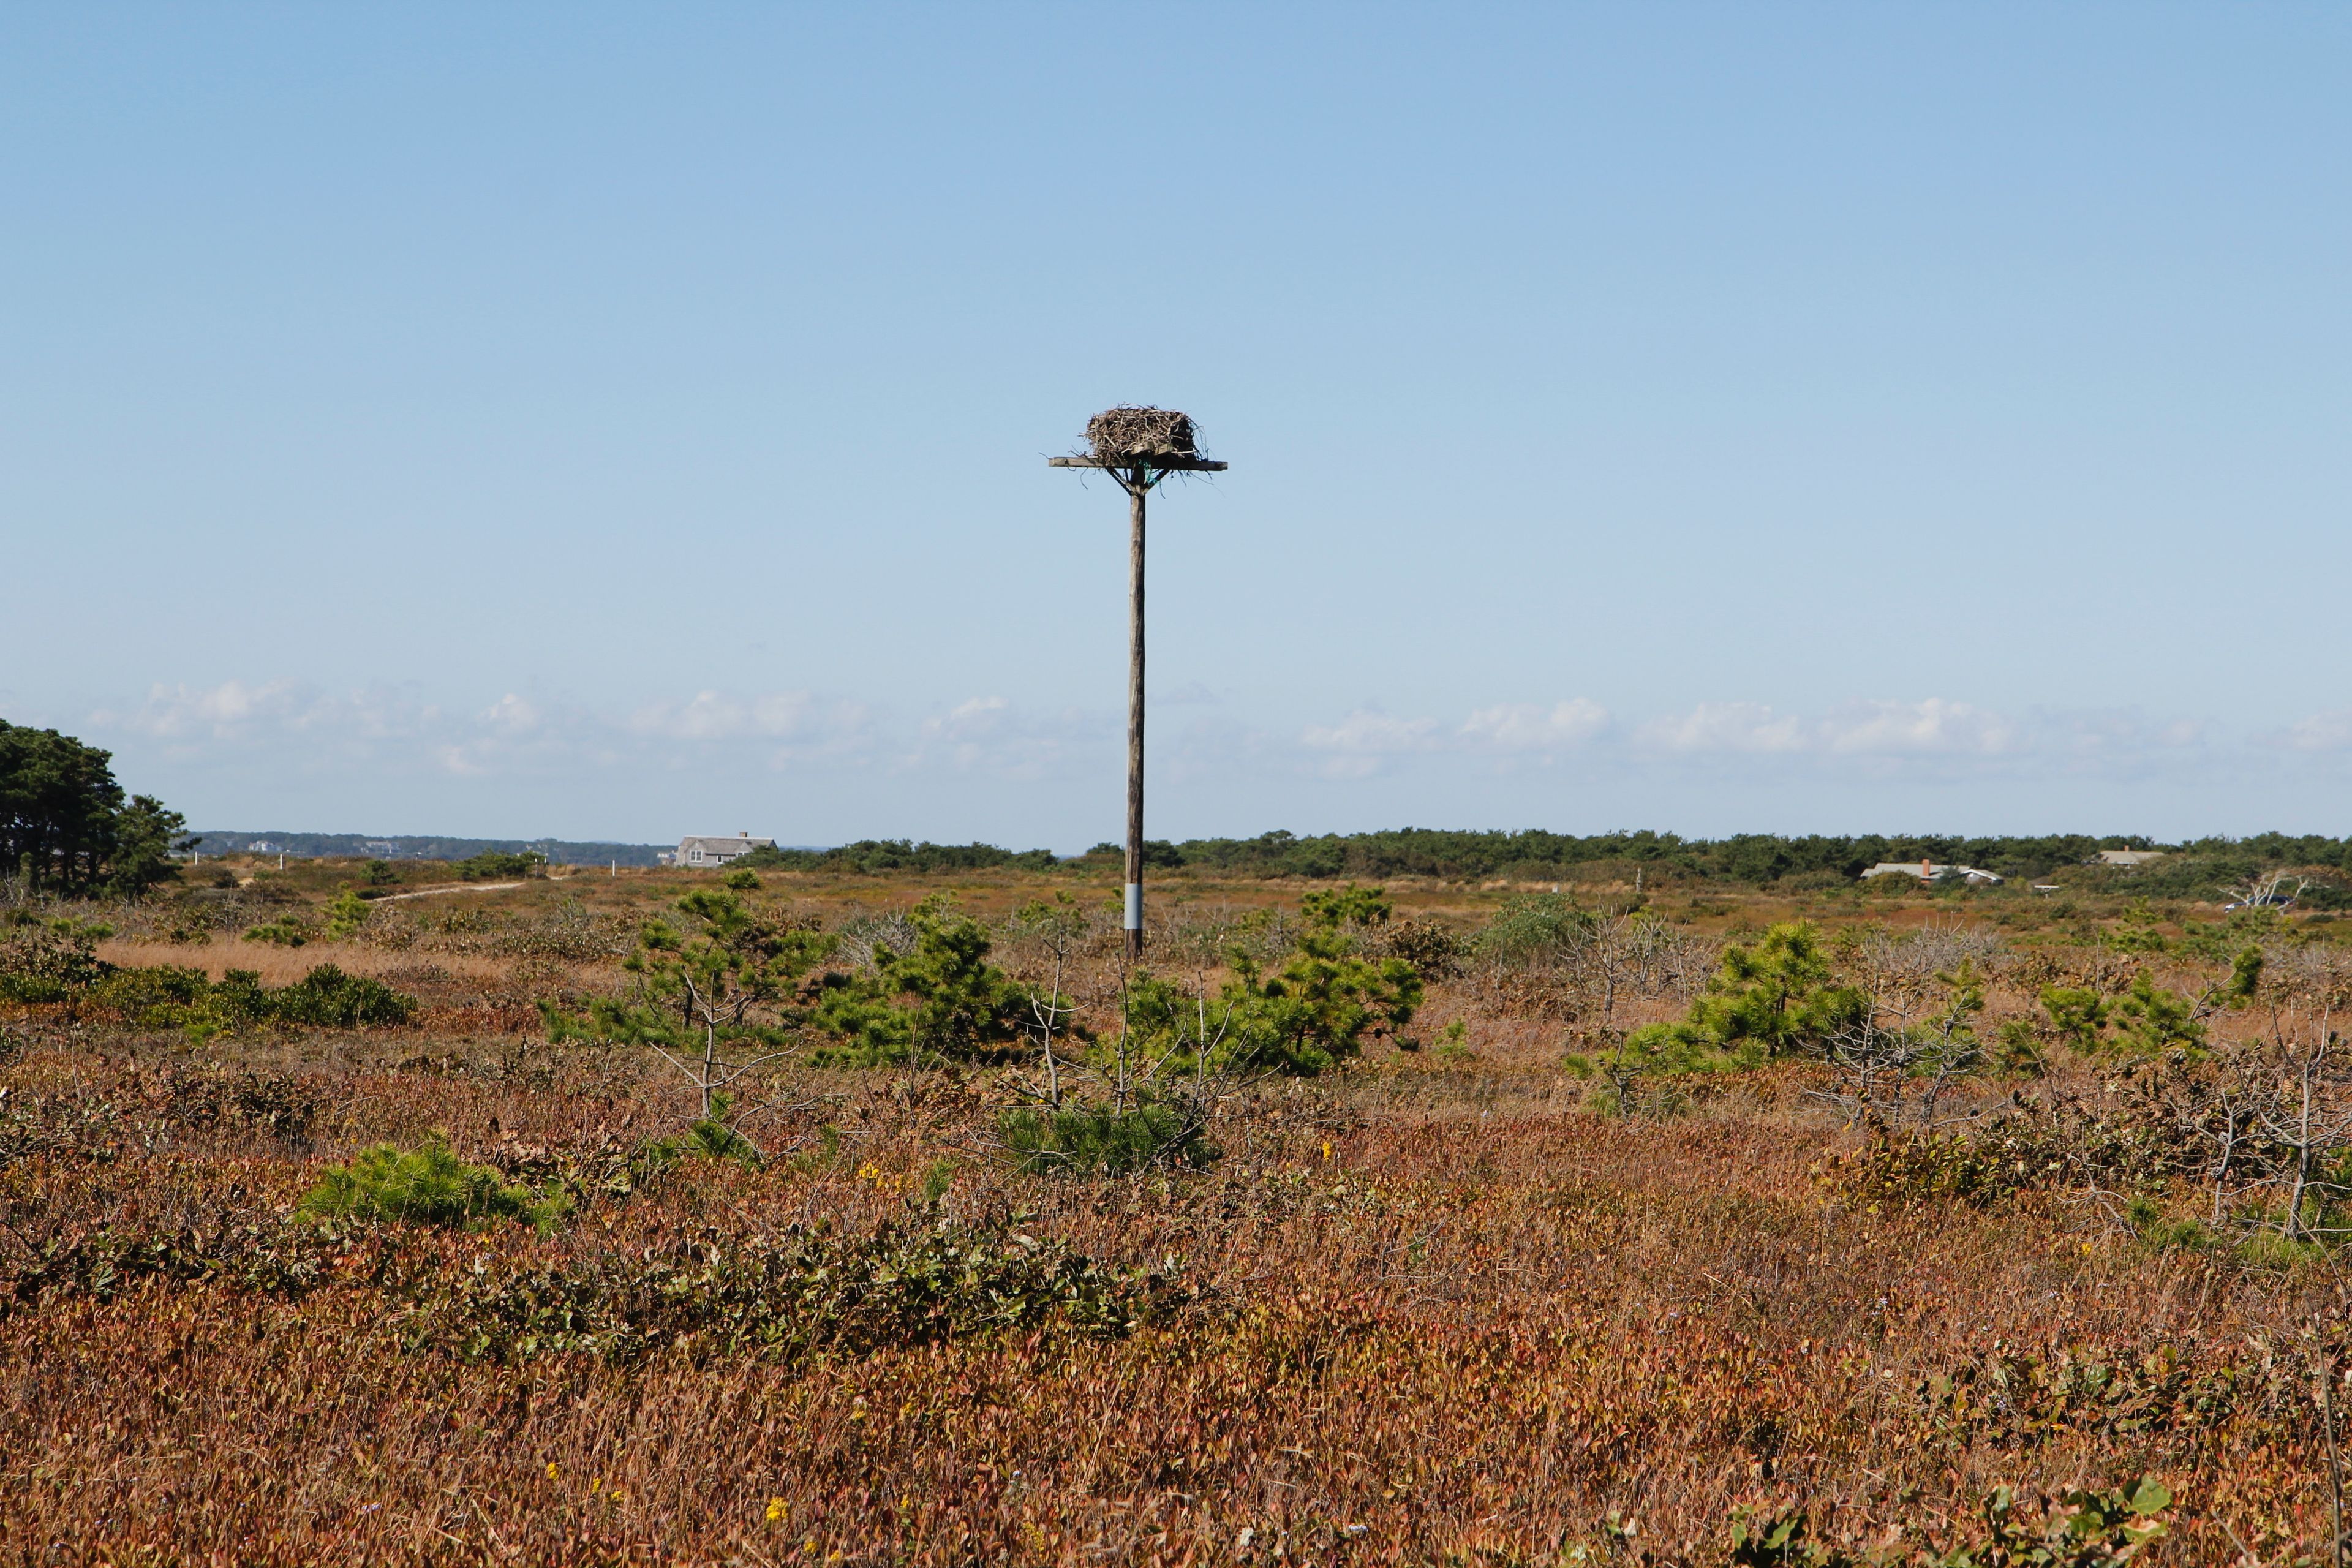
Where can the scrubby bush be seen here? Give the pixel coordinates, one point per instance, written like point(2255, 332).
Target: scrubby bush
point(157, 996)
point(940, 1000)
point(286, 930)
point(52, 962)
point(1769, 997)
point(2083, 1528)
point(170, 996)
point(710, 1137)
point(1775, 994)
point(346, 916)
point(780, 1298)
point(425, 1185)
point(1318, 1010)
point(2146, 1020)
point(491, 864)
point(1536, 930)
point(331, 999)
point(716, 993)
point(1080, 1140)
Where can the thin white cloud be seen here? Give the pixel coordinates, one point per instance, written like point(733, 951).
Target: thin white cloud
point(179, 711)
point(1370, 731)
point(973, 715)
point(1361, 744)
point(1930, 727)
point(238, 710)
point(2329, 731)
point(1748, 727)
point(512, 714)
point(992, 735)
point(1532, 727)
point(723, 716)
point(286, 725)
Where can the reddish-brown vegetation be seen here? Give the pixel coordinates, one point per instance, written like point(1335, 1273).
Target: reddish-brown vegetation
point(1429, 1310)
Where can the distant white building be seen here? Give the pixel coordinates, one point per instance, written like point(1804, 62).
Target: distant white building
point(704, 853)
point(2128, 856)
point(1928, 871)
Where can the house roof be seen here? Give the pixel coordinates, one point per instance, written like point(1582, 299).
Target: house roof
point(734, 843)
point(1929, 871)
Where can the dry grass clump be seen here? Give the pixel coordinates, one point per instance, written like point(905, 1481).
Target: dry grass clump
point(1129, 432)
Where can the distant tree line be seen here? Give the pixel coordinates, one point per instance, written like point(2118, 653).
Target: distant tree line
point(1745, 860)
point(66, 825)
point(872, 855)
point(415, 846)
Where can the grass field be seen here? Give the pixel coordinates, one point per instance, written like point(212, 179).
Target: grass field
point(1437, 1307)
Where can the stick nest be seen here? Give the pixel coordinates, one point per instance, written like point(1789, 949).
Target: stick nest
point(1125, 434)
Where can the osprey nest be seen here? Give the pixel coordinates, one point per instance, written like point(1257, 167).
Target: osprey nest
point(1124, 434)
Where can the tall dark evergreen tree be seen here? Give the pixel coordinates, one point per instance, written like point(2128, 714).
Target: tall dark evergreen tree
point(64, 827)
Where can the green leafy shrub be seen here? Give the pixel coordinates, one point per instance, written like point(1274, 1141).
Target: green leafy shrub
point(942, 1000)
point(425, 1185)
point(2080, 1528)
point(2148, 1021)
point(717, 994)
point(346, 916)
point(286, 930)
point(706, 1138)
point(1769, 998)
point(238, 996)
point(1316, 1011)
point(808, 1292)
point(491, 864)
point(331, 999)
point(48, 962)
point(45, 966)
point(275, 1258)
point(2133, 1145)
point(161, 996)
point(1534, 930)
point(1078, 1140)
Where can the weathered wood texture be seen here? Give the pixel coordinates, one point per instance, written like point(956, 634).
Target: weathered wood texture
point(1136, 476)
point(1134, 494)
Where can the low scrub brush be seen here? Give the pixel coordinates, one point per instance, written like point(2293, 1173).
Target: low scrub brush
point(425, 1185)
point(1080, 1140)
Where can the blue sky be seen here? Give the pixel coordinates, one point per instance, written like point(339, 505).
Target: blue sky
point(615, 422)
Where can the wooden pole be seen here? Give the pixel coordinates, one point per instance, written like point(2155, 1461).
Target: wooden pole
point(1137, 484)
